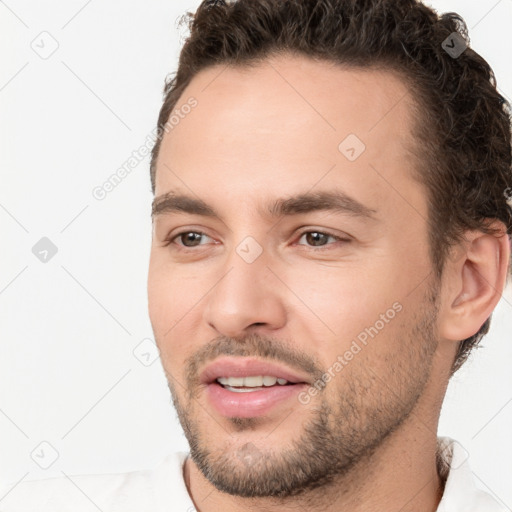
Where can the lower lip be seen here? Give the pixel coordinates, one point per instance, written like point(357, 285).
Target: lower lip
point(251, 403)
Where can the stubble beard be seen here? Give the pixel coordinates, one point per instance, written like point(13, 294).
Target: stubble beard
point(341, 434)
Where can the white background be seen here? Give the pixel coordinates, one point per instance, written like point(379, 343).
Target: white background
point(68, 327)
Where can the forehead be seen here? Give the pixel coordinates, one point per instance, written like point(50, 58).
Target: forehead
point(285, 121)
point(287, 89)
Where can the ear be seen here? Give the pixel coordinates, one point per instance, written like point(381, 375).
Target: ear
point(473, 282)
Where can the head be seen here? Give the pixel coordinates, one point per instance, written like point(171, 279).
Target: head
point(347, 183)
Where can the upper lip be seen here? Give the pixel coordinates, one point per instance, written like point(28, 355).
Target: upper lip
point(246, 367)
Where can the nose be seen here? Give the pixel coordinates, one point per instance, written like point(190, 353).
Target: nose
point(246, 295)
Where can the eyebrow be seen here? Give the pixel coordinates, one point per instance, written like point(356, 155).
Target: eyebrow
point(333, 201)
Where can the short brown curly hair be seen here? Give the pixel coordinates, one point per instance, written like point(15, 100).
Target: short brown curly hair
point(463, 134)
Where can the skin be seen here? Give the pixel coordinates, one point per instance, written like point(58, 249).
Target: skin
point(271, 131)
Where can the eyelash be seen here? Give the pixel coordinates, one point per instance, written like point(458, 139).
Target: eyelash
point(184, 248)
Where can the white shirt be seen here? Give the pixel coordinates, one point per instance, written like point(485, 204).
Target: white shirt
point(163, 489)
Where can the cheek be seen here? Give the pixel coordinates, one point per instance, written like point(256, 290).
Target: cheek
point(376, 357)
point(347, 298)
point(171, 291)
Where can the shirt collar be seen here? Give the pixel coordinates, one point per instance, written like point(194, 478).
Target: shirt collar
point(460, 492)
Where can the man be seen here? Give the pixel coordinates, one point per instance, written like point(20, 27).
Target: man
point(330, 238)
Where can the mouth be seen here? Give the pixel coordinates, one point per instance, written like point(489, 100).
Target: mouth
point(245, 387)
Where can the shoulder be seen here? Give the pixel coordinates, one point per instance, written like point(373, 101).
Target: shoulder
point(137, 491)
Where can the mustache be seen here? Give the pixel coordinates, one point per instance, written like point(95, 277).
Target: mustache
point(252, 345)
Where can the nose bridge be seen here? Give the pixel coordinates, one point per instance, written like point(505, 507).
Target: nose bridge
point(244, 295)
point(245, 274)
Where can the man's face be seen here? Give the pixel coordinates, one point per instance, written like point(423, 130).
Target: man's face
point(338, 302)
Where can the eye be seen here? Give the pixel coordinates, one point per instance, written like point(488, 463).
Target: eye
point(315, 239)
point(187, 237)
point(319, 238)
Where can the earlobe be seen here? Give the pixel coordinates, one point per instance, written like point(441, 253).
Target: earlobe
point(475, 283)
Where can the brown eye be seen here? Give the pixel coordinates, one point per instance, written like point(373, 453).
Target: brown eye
point(192, 237)
point(317, 238)
point(187, 239)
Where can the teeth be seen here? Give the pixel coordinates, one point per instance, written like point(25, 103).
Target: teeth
point(254, 381)
point(269, 381)
point(241, 390)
